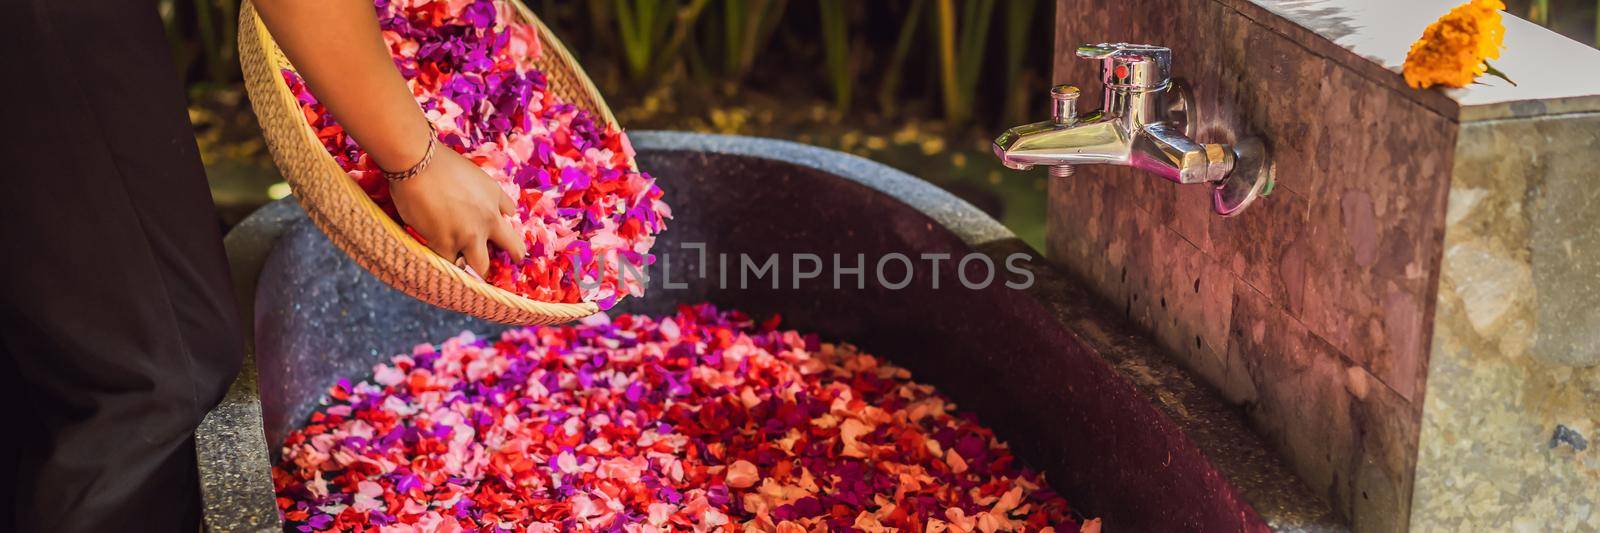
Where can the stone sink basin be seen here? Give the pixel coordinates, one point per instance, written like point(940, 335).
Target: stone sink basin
point(1117, 428)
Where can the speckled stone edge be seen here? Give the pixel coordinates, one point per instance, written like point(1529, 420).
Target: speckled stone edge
point(230, 444)
point(234, 464)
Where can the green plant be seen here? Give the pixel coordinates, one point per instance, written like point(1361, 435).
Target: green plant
point(1019, 20)
point(205, 30)
point(182, 55)
point(960, 61)
point(652, 32)
point(747, 26)
point(1539, 12)
point(889, 91)
point(836, 51)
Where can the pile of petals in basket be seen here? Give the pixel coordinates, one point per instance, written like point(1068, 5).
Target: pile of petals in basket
point(581, 207)
point(701, 420)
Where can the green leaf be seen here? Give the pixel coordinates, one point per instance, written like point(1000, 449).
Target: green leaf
point(1496, 73)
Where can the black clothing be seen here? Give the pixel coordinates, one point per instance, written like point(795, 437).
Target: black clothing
point(118, 327)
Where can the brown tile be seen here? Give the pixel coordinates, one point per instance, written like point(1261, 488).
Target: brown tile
point(1073, 226)
point(1267, 248)
point(1093, 231)
point(1190, 297)
point(1383, 473)
point(1300, 405)
point(1275, 92)
point(1370, 285)
point(1348, 435)
point(1133, 257)
point(1344, 101)
point(1192, 214)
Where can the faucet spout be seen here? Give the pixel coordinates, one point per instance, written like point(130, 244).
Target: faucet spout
point(1097, 142)
point(1131, 130)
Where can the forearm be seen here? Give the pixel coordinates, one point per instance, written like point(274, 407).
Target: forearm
point(337, 47)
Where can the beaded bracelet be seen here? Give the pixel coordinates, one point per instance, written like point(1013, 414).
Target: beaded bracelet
point(427, 157)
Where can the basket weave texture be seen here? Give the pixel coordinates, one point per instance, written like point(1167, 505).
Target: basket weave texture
point(356, 224)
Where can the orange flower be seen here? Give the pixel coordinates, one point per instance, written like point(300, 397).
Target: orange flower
point(1454, 50)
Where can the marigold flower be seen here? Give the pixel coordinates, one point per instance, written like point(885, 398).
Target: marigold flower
point(1454, 50)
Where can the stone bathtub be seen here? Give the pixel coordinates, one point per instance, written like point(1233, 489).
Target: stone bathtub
point(1118, 429)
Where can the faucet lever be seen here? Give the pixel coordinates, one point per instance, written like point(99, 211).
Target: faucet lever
point(1097, 51)
point(1131, 67)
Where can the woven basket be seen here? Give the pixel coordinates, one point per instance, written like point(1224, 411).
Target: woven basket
point(336, 203)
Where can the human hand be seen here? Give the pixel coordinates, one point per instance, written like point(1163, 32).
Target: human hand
point(458, 210)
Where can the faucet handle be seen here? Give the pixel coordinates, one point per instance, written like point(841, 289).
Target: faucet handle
point(1063, 105)
point(1131, 67)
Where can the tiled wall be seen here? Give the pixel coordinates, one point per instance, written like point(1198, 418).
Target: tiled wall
point(1313, 309)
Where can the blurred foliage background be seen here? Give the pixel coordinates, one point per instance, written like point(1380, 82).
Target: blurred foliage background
point(922, 85)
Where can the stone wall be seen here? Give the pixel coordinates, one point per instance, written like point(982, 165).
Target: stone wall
point(1311, 309)
point(1314, 310)
point(1509, 435)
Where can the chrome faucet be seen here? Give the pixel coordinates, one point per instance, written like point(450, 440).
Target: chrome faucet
point(1145, 122)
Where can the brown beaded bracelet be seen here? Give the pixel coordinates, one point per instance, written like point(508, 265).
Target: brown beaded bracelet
point(427, 157)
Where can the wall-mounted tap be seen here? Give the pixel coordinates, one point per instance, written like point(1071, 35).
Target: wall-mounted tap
point(1145, 122)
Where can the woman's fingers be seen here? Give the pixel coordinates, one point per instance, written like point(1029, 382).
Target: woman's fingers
point(467, 208)
point(477, 255)
point(507, 205)
point(508, 238)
